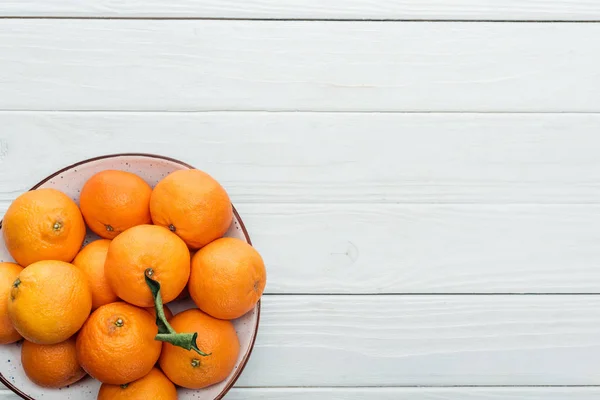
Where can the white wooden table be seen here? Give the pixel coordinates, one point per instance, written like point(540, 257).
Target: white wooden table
point(421, 176)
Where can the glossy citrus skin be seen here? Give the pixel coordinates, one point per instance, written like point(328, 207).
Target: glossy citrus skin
point(228, 278)
point(142, 247)
point(116, 345)
point(190, 370)
point(193, 205)
point(185, 293)
point(91, 261)
point(51, 365)
point(112, 201)
point(49, 301)
point(154, 386)
point(43, 224)
point(8, 273)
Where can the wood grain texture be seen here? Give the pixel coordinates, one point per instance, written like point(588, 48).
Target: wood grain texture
point(516, 393)
point(427, 248)
point(309, 66)
point(329, 157)
point(416, 394)
point(273, 162)
point(323, 249)
point(577, 10)
point(426, 340)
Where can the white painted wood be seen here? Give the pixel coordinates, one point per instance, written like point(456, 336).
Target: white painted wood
point(329, 157)
point(416, 394)
point(426, 248)
point(426, 340)
point(514, 393)
point(582, 10)
point(279, 65)
point(269, 158)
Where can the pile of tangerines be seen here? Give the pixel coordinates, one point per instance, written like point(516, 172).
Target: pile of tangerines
point(98, 310)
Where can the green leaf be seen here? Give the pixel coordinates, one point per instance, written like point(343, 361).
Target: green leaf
point(161, 319)
point(166, 333)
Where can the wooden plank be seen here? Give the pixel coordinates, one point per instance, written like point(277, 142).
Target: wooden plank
point(426, 340)
point(302, 66)
point(573, 10)
point(323, 249)
point(427, 248)
point(514, 393)
point(329, 157)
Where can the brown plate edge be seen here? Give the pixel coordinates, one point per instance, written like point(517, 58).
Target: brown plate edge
point(242, 365)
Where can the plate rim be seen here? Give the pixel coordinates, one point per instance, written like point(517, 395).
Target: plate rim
point(246, 357)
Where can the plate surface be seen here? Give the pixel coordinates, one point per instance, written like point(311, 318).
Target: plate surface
point(70, 180)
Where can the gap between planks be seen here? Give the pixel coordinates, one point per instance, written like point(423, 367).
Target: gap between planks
point(433, 294)
point(391, 20)
point(299, 112)
point(412, 10)
point(412, 393)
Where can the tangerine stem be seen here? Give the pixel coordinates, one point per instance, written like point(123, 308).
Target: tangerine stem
point(166, 333)
point(185, 340)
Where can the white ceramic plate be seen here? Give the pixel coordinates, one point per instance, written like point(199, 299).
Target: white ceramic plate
point(70, 180)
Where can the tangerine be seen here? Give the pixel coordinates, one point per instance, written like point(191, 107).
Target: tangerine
point(91, 261)
point(49, 301)
point(216, 337)
point(8, 273)
point(155, 386)
point(112, 201)
point(228, 278)
point(43, 224)
point(193, 205)
point(147, 249)
point(51, 365)
point(116, 344)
